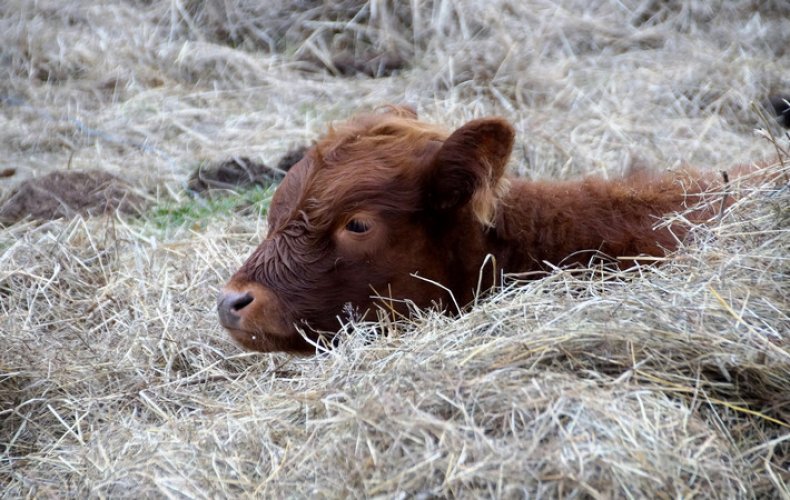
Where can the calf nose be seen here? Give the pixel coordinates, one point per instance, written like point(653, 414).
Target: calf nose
point(230, 305)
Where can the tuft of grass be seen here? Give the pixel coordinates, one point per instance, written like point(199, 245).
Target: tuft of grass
point(196, 211)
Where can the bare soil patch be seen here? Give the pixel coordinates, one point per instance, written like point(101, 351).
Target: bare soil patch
point(234, 173)
point(64, 194)
point(781, 108)
point(291, 158)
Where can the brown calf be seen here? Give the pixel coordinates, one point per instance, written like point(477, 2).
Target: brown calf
point(384, 198)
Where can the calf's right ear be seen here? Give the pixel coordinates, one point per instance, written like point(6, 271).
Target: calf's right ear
point(469, 167)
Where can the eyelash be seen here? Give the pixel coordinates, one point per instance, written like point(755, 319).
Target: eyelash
point(356, 226)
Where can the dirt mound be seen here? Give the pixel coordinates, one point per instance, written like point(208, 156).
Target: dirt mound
point(234, 173)
point(291, 158)
point(67, 193)
point(241, 172)
point(781, 107)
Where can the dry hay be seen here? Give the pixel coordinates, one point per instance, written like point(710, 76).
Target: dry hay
point(661, 382)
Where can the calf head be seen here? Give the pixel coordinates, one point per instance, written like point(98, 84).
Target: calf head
point(377, 202)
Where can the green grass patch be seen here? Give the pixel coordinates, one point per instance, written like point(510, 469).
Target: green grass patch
point(196, 211)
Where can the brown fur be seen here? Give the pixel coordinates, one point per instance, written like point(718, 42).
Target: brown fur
point(435, 205)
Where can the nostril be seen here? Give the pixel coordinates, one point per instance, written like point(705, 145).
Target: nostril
point(230, 305)
point(239, 303)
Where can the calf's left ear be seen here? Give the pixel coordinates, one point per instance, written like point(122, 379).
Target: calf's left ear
point(469, 167)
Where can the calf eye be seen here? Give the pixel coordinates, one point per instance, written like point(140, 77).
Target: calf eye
point(356, 226)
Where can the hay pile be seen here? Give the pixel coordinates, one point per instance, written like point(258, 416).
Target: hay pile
point(115, 379)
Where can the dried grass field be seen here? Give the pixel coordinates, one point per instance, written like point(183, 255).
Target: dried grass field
point(116, 380)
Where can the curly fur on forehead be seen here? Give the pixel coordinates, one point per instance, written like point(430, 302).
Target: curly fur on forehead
point(374, 162)
point(392, 135)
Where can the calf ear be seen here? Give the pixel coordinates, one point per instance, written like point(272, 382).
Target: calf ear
point(469, 167)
